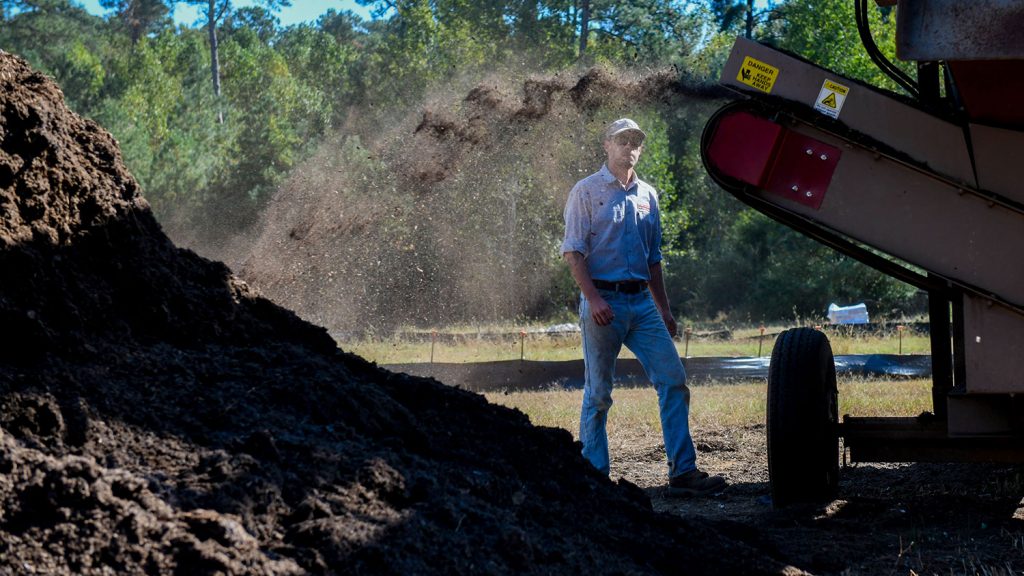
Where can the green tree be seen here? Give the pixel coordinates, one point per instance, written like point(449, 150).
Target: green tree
point(741, 14)
point(163, 116)
point(213, 12)
point(825, 32)
point(650, 31)
point(345, 27)
point(427, 41)
point(62, 40)
point(81, 74)
point(139, 17)
point(274, 114)
point(331, 64)
point(253, 19)
point(584, 26)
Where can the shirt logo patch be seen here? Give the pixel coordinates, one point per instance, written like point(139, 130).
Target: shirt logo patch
point(643, 208)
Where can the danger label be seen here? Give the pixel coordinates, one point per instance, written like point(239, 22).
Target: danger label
point(757, 74)
point(830, 98)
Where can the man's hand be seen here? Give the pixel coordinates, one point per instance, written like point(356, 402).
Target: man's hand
point(600, 311)
point(670, 323)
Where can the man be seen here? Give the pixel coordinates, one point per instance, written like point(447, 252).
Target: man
point(613, 248)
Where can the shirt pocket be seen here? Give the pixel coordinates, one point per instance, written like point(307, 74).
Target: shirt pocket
point(608, 209)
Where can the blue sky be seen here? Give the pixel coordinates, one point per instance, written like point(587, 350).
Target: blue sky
point(300, 11)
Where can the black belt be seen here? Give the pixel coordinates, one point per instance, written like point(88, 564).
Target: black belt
point(626, 286)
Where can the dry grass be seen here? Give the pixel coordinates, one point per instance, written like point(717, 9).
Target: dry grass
point(723, 418)
point(468, 348)
point(463, 345)
point(860, 397)
point(713, 406)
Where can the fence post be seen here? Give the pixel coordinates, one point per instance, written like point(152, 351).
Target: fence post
point(899, 330)
point(686, 347)
point(433, 340)
point(760, 341)
point(522, 345)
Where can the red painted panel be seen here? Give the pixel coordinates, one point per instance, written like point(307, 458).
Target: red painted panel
point(991, 89)
point(802, 170)
point(742, 147)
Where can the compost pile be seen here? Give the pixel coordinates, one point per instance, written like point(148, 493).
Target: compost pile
point(158, 416)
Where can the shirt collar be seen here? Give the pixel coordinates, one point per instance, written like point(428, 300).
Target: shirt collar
point(610, 178)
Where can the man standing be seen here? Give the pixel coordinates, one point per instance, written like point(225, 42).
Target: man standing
point(613, 248)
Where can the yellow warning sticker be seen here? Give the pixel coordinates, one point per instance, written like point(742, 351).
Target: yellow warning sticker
point(831, 98)
point(757, 74)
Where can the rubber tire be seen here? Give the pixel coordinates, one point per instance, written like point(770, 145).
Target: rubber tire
point(802, 418)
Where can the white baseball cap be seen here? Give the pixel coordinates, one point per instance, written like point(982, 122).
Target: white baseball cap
point(622, 125)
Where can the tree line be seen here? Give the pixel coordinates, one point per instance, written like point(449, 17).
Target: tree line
point(213, 116)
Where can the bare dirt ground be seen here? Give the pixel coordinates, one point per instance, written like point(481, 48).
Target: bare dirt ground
point(886, 519)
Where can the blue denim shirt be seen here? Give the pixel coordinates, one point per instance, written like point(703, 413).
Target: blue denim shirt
point(617, 230)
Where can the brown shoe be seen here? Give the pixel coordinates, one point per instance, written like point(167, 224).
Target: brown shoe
point(695, 483)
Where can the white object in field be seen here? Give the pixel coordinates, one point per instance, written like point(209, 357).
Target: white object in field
point(856, 314)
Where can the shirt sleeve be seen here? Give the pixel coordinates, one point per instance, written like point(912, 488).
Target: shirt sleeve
point(654, 254)
point(577, 223)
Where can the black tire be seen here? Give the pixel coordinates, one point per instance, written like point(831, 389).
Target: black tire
point(802, 419)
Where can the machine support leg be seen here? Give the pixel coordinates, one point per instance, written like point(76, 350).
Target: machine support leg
point(942, 351)
point(928, 82)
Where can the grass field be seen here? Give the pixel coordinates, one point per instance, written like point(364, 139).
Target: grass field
point(635, 410)
point(507, 343)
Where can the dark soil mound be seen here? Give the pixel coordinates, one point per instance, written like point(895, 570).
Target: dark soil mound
point(158, 416)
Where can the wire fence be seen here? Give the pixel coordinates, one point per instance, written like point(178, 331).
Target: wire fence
point(563, 341)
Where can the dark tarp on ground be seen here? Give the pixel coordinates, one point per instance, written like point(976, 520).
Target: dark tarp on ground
point(538, 375)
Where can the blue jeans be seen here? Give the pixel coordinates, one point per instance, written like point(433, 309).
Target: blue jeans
point(639, 326)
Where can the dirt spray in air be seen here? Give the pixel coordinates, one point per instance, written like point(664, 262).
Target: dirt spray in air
point(454, 214)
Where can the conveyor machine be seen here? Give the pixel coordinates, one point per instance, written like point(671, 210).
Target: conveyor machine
point(927, 188)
